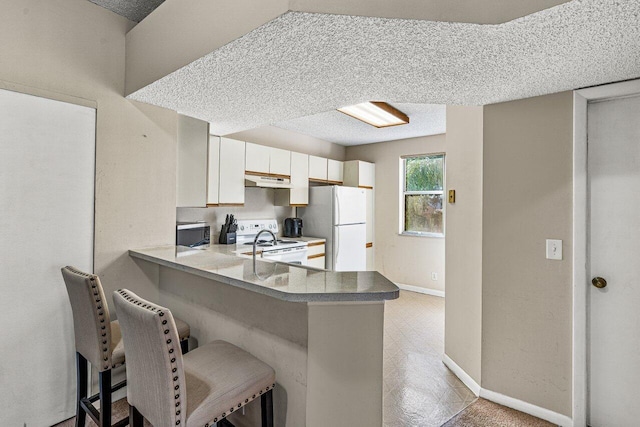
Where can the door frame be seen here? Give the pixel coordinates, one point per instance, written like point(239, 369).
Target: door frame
point(580, 236)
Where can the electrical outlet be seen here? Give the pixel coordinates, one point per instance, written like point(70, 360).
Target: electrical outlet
point(434, 276)
point(554, 249)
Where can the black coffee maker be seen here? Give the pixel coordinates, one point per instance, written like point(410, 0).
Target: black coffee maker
point(293, 227)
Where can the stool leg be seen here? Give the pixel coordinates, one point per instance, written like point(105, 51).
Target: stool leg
point(81, 388)
point(184, 346)
point(105, 398)
point(135, 417)
point(266, 403)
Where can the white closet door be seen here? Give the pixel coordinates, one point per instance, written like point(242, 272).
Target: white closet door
point(47, 158)
point(614, 317)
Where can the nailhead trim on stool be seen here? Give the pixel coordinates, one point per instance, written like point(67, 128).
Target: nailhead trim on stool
point(170, 349)
point(240, 405)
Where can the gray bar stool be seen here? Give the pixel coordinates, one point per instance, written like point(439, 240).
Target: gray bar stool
point(99, 341)
point(200, 388)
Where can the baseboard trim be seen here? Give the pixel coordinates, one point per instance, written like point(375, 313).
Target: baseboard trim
point(420, 290)
point(501, 399)
point(527, 408)
point(462, 375)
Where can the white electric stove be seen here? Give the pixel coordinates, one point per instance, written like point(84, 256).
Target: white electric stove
point(287, 250)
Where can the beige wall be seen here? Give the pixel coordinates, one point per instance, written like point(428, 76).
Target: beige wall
point(293, 141)
point(75, 48)
point(258, 204)
point(463, 305)
point(407, 260)
point(190, 30)
point(178, 32)
point(527, 299)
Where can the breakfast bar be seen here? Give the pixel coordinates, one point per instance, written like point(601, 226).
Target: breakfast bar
point(322, 331)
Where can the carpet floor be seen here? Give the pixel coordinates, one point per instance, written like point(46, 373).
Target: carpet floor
point(483, 413)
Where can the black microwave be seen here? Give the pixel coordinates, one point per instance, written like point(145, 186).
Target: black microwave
point(192, 234)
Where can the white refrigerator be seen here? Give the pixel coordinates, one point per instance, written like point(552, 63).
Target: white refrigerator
point(339, 215)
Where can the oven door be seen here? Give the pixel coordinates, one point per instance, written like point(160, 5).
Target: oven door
point(296, 255)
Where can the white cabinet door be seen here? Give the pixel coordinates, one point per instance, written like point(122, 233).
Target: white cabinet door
point(299, 194)
point(279, 161)
point(232, 157)
point(335, 171)
point(213, 170)
point(366, 174)
point(191, 174)
point(317, 168)
point(359, 174)
point(318, 262)
point(257, 158)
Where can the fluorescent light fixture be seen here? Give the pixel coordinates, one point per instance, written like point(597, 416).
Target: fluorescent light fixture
point(378, 114)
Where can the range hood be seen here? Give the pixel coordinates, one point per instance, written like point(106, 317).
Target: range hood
point(266, 181)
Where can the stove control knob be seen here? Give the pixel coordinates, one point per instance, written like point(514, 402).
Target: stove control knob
point(242, 227)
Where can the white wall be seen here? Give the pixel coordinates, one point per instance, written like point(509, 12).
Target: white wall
point(403, 259)
point(73, 48)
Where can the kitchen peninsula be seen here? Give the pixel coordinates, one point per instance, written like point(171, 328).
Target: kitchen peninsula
point(322, 331)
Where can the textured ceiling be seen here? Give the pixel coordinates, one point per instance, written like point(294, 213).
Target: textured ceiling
point(334, 126)
point(302, 64)
point(133, 10)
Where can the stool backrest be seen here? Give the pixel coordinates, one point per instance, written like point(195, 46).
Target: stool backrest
point(155, 376)
point(91, 320)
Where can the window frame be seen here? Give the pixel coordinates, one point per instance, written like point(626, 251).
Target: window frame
point(404, 192)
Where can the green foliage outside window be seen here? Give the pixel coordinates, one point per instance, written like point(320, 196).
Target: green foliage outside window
point(424, 194)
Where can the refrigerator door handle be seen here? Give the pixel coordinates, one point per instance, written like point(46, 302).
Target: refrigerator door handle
point(337, 220)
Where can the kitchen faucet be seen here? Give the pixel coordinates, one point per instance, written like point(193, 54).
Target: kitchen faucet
point(255, 242)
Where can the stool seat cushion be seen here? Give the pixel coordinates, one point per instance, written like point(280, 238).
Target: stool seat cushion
point(117, 345)
point(220, 379)
point(184, 331)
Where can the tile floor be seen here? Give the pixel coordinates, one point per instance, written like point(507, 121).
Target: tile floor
point(419, 390)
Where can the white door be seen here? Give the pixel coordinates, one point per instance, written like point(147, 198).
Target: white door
point(47, 157)
point(614, 180)
point(350, 206)
point(349, 251)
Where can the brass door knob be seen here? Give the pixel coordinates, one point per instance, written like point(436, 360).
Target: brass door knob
point(599, 282)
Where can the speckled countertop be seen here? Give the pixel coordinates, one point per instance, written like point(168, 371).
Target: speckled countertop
point(278, 280)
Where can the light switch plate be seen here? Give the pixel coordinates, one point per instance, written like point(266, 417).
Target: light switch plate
point(554, 249)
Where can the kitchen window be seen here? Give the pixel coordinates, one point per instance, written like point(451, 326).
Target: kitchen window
point(423, 195)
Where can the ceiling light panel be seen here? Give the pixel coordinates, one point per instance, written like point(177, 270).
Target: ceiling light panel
point(378, 114)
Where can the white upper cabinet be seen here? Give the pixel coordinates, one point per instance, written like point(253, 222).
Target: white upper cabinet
point(279, 161)
point(267, 160)
point(359, 174)
point(191, 174)
point(232, 167)
point(299, 194)
point(317, 168)
point(335, 171)
point(257, 158)
point(213, 170)
point(367, 174)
